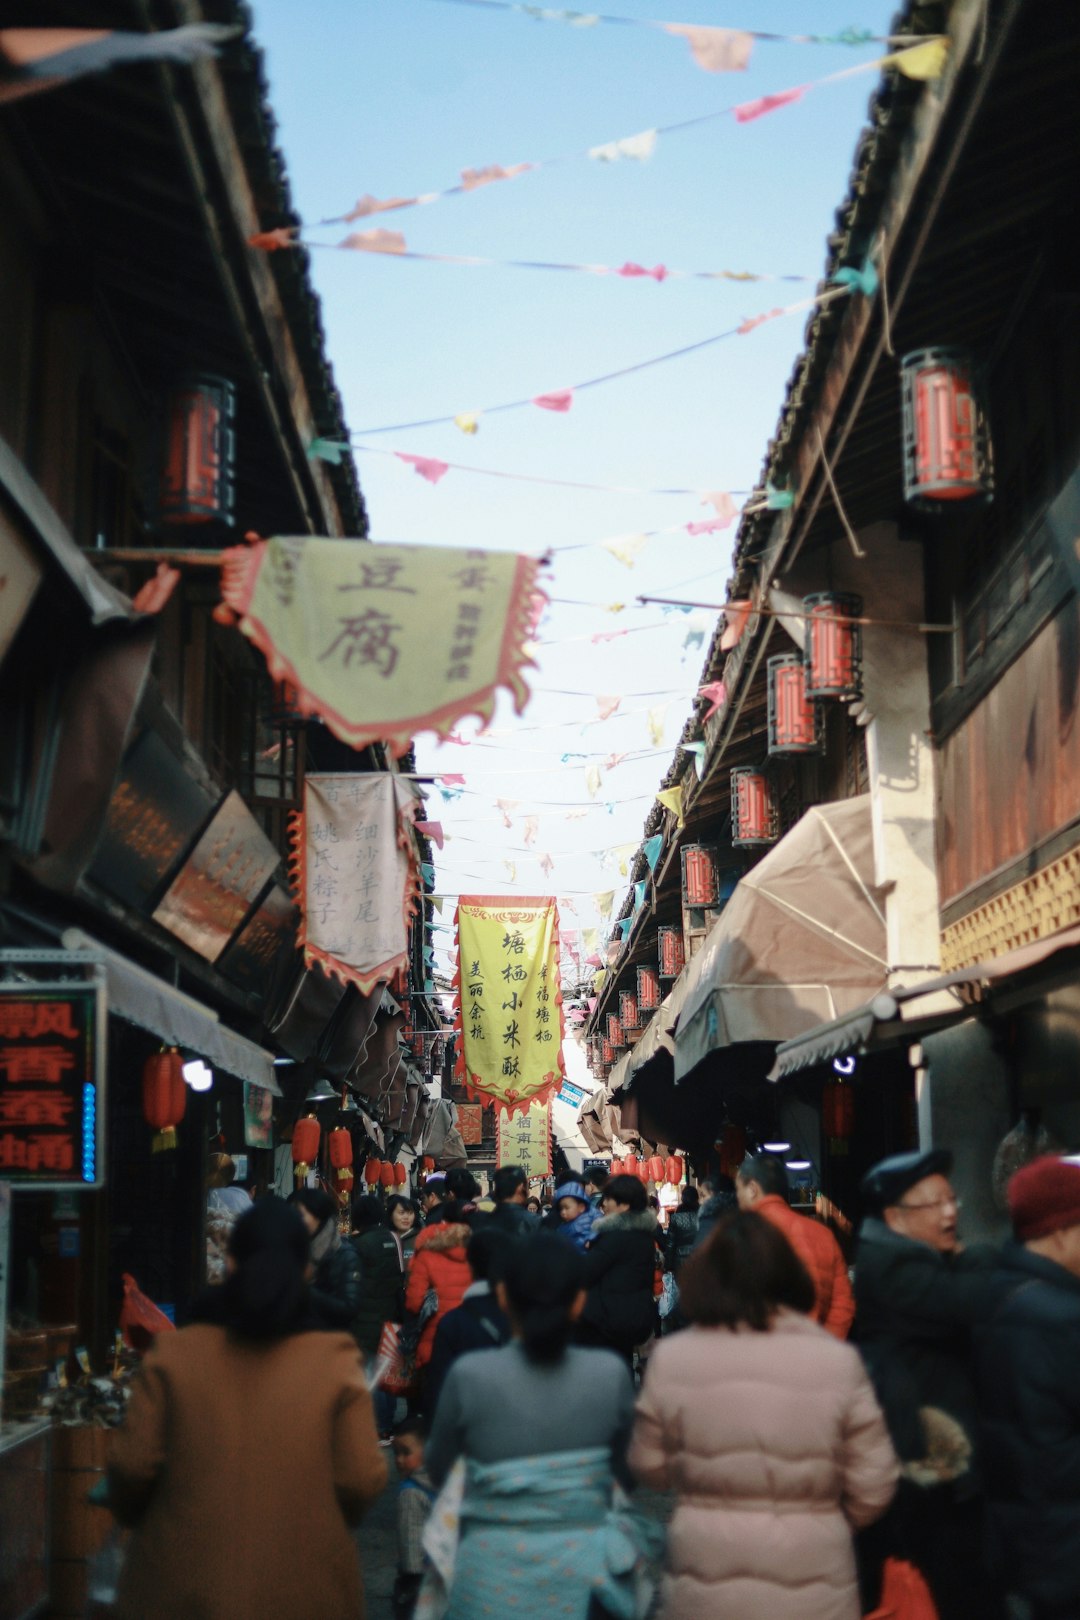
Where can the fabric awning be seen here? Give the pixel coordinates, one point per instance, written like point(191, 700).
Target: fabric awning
point(801, 942)
point(592, 1123)
point(880, 1023)
point(659, 1036)
point(145, 1000)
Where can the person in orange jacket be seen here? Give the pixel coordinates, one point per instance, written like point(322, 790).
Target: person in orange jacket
point(762, 1186)
point(439, 1262)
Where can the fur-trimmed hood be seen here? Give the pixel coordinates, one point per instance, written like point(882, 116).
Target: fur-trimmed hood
point(442, 1237)
point(642, 1220)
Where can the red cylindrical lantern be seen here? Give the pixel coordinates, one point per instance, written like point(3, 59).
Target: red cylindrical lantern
point(386, 1175)
point(672, 950)
point(197, 476)
point(429, 1164)
point(648, 989)
point(372, 1172)
point(754, 815)
point(341, 1154)
point(838, 1114)
point(401, 1175)
point(673, 1170)
point(631, 1165)
point(700, 876)
point(794, 720)
point(947, 454)
point(614, 1029)
point(607, 1052)
point(833, 645)
point(732, 1149)
point(164, 1097)
point(305, 1146)
point(628, 1010)
point(656, 1168)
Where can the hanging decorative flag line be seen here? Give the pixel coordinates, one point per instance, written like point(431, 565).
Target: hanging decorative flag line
point(383, 645)
point(436, 469)
point(925, 60)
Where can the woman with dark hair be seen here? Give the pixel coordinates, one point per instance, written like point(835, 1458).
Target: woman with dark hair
point(335, 1292)
point(620, 1310)
point(379, 1240)
point(240, 1428)
point(438, 1273)
point(541, 1426)
point(767, 1429)
point(682, 1230)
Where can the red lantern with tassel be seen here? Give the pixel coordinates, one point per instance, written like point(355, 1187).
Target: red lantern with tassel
point(673, 1170)
point(164, 1097)
point(656, 1168)
point(341, 1154)
point(630, 1165)
point(305, 1146)
point(838, 1114)
point(372, 1170)
point(401, 1175)
point(429, 1164)
point(732, 1148)
point(386, 1175)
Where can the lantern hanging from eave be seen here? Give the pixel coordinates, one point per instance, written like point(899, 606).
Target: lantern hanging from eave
point(833, 645)
point(838, 1114)
point(673, 1170)
point(755, 818)
point(417, 1044)
point(164, 1097)
point(700, 876)
point(648, 989)
point(372, 1171)
point(428, 1164)
point(794, 719)
point(628, 1010)
point(731, 1148)
point(614, 1030)
point(197, 478)
point(947, 453)
point(305, 1146)
point(631, 1165)
point(386, 1175)
point(607, 1052)
point(656, 1168)
point(401, 1175)
point(672, 952)
point(339, 1142)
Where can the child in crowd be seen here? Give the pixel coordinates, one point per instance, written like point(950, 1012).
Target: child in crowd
point(415, 1496)
point(575, 1213)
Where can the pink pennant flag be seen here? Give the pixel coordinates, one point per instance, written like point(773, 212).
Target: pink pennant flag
point(433, 830)
point(376, 241)
point(711, 526)
point(607, 635)
point(428, 468)
point(716, 692)
point(451, 779)
point(532, 827)
point(561, 400)
point(749, 110)
point(613, 760)
point(367, 204)
point(721, 501)
point(757, 320)
point(272, 241)
point(574, 815)
point(735, 617)
point(546, 865)
point(505, 807)
point(593, 961)
point(471, 179)
point(717, 50)
point(659, 272)
point(606, 706)
point(590, 1002)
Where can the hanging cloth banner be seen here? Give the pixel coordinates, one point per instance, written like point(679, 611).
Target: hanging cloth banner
point(507, 1000)
point(525, 1138)
point(34, 59)
point(355, 875)
point(384, 641)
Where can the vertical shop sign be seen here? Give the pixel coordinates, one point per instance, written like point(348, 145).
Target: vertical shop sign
point(52, 1081)
point(525, 1138)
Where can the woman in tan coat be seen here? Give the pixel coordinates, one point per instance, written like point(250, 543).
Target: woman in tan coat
point(767, 1429)
point(248, 1451)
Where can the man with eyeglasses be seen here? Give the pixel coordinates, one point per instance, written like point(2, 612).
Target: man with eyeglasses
point(917, 1298)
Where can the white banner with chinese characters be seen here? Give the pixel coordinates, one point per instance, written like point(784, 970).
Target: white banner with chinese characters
point(508, 1003)
point(525, 1138)
point(384, 641)
point(355, 874)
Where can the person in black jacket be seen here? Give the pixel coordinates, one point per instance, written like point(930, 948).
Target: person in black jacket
point(511, 1214)
point(335, 1291)
point(917, 1300)
point(479, 1322)
point(1027, 1369)
point(620, 1310)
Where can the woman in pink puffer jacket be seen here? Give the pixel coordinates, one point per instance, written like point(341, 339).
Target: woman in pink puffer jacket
point(767, 1429)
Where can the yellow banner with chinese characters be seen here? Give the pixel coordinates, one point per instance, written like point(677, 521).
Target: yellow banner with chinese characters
point(385, 641)
point(525, 1138)
point(508, 1003)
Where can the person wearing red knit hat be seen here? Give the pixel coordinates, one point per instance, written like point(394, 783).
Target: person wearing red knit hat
point(1027, 1368)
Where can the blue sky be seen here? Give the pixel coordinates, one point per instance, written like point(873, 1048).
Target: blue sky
point(397, 96)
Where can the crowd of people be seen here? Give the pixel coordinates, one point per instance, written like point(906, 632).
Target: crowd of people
point(818, 1431)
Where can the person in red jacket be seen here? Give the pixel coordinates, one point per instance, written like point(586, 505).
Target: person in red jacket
point(439, 1262)
point(762, 1186)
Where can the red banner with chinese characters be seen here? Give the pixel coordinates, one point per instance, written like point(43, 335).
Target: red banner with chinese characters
point(51, 1073)
point(508, 1003)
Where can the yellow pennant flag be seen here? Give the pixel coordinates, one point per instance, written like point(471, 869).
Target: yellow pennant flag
point(920, 61)
point(623, 854)
point(525, 1138)
point(599, 979)
point(384, 641)
point(604, 902)
point(508, 999)
point(590, 938)
point(656, 719)
point(671, 799)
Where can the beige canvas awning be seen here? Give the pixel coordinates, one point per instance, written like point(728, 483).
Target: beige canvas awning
point(801, 941)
